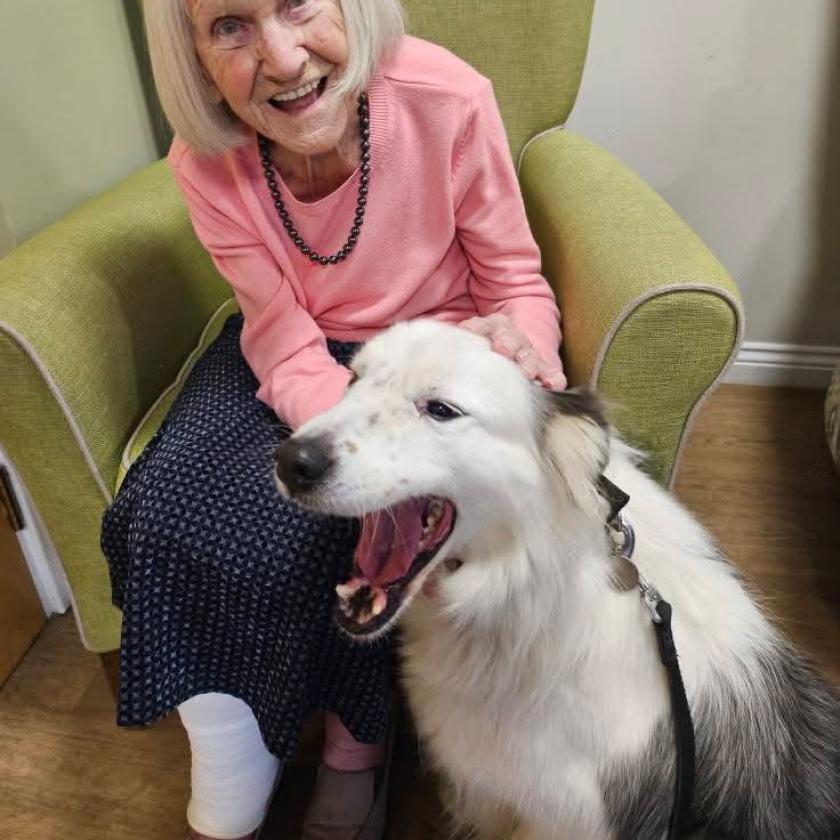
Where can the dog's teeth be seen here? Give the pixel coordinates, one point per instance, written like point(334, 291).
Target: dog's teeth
point(380, 601)
point(349, 588)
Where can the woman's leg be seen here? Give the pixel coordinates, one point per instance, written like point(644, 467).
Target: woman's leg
point(351, 789)
point(233, 774)
point(343, 752)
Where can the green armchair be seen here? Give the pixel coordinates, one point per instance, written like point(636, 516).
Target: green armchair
point(99, 312)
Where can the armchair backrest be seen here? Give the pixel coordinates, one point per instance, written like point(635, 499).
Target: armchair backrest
point(533, 50)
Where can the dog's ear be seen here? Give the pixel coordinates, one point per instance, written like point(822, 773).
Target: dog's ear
point(576, 442)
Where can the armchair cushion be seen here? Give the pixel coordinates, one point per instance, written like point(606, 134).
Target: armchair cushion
point(157, 412)
point(97, 313)
point(650, 317)
point(534, 53)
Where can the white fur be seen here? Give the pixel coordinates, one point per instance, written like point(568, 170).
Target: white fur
point(529, 673)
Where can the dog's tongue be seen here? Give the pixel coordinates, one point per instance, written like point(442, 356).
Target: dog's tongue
point(389, 542)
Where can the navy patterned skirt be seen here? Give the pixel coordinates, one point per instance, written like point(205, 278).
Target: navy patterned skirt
point(225, 586)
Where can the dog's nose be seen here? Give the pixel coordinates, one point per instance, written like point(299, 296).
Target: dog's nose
point(303, 463)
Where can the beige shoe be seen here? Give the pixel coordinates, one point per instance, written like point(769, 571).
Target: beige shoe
point(347, 805)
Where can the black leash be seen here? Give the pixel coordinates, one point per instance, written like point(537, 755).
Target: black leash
point(660, 613)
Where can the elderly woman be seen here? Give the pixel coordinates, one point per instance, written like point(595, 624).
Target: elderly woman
point(343, 177)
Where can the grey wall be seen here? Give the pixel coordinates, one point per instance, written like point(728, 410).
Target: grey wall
point(731, 110)
point(73, 118)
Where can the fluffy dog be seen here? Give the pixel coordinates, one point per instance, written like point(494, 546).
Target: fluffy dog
point(530, 662)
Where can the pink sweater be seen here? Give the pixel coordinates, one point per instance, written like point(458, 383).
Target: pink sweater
point(444, 236)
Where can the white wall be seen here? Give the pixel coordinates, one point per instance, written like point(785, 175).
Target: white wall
point(731, 110)
point(72, 115)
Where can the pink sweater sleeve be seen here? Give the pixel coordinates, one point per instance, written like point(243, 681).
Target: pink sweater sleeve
point(280, 341)
point(494, 233)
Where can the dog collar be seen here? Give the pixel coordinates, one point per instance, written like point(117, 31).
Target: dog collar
point(615, 496)
point(619, 526)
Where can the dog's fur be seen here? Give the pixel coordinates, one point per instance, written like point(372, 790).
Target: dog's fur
point(533, 677)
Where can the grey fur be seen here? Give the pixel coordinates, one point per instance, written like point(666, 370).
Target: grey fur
point(578, 402)
point(639, 794)
point(768, 760)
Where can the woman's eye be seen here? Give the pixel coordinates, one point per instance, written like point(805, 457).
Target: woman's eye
point(442, 411)
point(227, 28)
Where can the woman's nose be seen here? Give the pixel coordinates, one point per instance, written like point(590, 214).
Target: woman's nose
point(282, 52)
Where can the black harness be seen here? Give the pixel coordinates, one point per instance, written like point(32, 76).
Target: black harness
point(624, 537)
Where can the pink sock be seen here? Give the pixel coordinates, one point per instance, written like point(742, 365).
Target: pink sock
point(343, 752)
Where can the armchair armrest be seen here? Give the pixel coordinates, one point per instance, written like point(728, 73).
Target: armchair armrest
point(650, 317)
point(97, 313)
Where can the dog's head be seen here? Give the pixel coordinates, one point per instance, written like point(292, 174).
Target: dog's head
point(444, 441)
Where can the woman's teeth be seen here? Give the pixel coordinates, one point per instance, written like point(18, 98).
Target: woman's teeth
point(297, 93)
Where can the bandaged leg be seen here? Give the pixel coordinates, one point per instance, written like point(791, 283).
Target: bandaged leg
point(233, 774)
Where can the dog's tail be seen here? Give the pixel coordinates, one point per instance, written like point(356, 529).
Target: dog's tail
point(768, 750)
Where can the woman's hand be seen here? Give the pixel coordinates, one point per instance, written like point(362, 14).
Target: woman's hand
point(506, 338)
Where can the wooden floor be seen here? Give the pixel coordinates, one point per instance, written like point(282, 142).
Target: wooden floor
point(757, 473)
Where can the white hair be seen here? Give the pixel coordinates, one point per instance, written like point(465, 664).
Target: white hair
point(374, 28)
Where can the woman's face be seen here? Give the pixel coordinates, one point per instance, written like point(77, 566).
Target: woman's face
point(276, 63)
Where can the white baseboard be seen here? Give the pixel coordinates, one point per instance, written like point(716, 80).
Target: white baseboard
point(791, 365)
point(38, 550)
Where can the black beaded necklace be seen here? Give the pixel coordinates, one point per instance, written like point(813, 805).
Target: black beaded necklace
point(364, 179)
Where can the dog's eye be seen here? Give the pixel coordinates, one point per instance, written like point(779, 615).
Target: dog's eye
point(442, 411)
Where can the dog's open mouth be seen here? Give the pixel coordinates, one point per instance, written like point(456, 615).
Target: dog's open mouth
point(394, 548)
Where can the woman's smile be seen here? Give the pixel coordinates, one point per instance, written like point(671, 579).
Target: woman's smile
point(301, 97)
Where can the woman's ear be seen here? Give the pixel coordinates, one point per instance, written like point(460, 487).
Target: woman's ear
point(576, 442)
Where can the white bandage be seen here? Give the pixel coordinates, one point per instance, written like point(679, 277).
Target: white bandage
point(233, 774)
